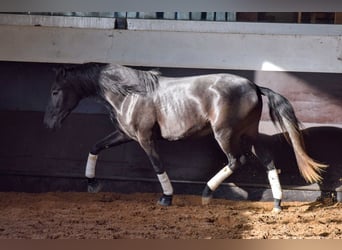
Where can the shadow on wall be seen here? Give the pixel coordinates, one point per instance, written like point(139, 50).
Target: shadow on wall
point(56, 161)
point(31, 150)
point(250, 181)
point(323, 144)
point(316, 97)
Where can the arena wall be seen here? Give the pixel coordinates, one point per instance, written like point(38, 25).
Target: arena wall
point(34, 159)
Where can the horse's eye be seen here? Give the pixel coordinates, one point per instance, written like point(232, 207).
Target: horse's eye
point(55, 92)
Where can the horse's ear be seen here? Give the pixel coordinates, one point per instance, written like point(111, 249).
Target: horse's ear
point(60, 71)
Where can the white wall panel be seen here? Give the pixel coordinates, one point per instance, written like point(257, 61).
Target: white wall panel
point(170, 48)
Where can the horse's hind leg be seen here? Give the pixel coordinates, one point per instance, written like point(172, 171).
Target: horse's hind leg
point(231, 147)
point(265, 156)
point(114, 139)
point(215, 181)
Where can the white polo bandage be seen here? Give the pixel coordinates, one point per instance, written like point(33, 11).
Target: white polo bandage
point(273, 178)
point(90, 167)
point(165, 183)
point(219, 178)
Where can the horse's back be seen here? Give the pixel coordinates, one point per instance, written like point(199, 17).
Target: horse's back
point(188, 105)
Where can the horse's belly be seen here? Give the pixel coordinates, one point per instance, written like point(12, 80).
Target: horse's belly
point(175, 129)
point(180, 114)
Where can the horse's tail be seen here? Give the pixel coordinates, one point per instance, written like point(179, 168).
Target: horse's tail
point(282, 113)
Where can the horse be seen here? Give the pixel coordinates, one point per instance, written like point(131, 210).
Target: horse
point(145, 106)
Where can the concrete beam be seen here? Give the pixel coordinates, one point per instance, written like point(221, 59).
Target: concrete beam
point(215, 45)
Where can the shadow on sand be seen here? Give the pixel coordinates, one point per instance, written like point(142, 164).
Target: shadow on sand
point(323, 144)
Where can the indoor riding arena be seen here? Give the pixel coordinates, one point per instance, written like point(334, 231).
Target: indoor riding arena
point(44, 190)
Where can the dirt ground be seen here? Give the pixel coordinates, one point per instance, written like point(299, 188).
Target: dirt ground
point(136, 216)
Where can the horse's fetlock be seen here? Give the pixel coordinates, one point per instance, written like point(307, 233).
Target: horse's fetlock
point(207, 192)
point(276, 210)
point(206, 200)
point(207, 195)
point(93, 185)
point(277, 206)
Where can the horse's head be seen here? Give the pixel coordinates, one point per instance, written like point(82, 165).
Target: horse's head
point(63, 99)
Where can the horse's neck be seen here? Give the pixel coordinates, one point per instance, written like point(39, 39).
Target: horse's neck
point(115, 100)
point(85, 90)
point(85, 86)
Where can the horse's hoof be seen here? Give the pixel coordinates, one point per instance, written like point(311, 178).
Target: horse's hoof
point(165, 200)
point(276, 210)
point(207, 195)
point(94, 186)
point(206, 200)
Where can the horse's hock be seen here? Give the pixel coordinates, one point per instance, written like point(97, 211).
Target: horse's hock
point(34, 160)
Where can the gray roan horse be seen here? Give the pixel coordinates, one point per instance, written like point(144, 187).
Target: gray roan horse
point(146, 106)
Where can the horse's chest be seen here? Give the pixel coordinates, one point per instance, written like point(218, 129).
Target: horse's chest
point(126, 113)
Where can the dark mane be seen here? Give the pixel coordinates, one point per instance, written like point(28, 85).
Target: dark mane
point(91, 79)
point(83, 79)
point(124, 80)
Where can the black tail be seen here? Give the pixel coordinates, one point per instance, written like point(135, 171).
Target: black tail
point(282, 113)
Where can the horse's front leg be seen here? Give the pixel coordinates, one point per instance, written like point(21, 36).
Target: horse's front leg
point(149, 147)
point(113, 139)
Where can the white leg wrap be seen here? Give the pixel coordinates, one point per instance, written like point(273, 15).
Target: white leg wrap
point(219, 178)
point(275, 184)
point(165, 183)
point(90, 168)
